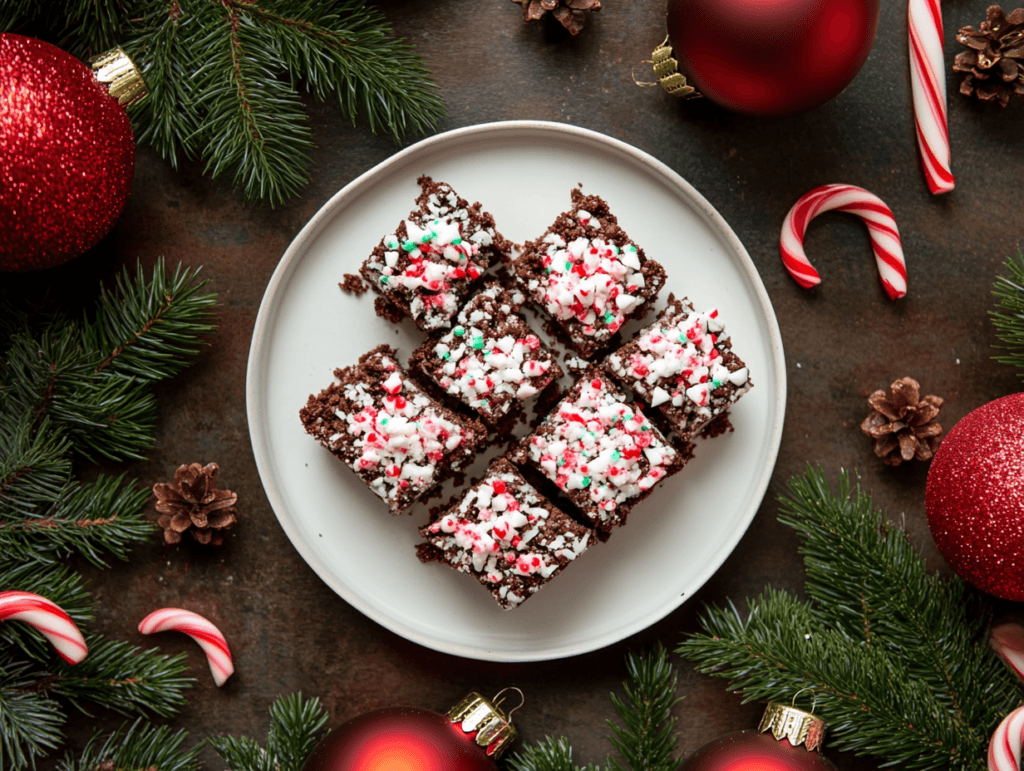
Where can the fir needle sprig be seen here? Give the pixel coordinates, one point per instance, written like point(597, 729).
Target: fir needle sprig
point(84, 387)
point(224, 77)
point(1009, 319)
point(896, 658)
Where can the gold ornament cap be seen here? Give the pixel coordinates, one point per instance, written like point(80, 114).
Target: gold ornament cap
point(786, 722)
point(121, 77)
point(669, 77)
point(491, 729)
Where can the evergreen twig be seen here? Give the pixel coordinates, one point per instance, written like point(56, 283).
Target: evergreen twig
point(896, 659)
point(645, 740)
point(140, 746)
point(224, 77)
point(1009, 319)
point(85, 387)
point(296, 725)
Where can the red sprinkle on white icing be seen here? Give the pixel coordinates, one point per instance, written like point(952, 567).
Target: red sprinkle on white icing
point(595, 442)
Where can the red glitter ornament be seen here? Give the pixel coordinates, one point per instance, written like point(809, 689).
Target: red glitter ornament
point(771, 57)
point(975, 498)
point(790, 745)
point(66, 155)
point(469, 738)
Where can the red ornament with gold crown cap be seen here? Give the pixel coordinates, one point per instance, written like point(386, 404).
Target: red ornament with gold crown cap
point(788, 739)
point(67, 153)
point(771, 57)
point(470, 737)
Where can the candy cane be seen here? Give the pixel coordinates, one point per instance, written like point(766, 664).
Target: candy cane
point(46, 616)
point(928, 85)
point(885, 238)
point(1005, 745)
point(1007, 640)
point(199, 629)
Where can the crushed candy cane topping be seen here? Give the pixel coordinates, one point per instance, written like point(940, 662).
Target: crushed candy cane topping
point(436, 253)
point(593, 281)
point(498, 531)
point(489, 372)
point(678, 360)
point(596, 442)
point(400, 434)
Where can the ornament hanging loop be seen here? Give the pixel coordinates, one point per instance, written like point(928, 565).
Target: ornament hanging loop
point(814, 697)
point(496, 699)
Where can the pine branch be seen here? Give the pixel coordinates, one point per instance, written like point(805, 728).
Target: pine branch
point(139, 747)
point(91, 520)
point(123, 678)
point(896, 659)
point(1009, 319)
point(30, 723)
point(147, 328)
point(645, 740)
point(224, 77)
point(34, 465)
point(295, 728)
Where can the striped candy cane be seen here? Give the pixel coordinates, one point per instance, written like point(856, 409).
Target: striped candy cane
point(1005, 745)
point(46, 616)
point(928, 85)
point(1007, 640)
point(199, 629)
point(885, 238)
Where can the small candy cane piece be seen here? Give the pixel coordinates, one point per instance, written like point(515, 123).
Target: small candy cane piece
point(44, 615)
point(1007, 640)
point(928, 85)
point(1004, 747)
point(199, 629)
point(885, 238)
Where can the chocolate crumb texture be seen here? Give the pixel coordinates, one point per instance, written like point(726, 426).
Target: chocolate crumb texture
point(506, 534)
point(398, 440)
point(588, 274)
point(491, 361)
point(353, 284)
point(427, 266)
point(599, 449)
point(683, 366)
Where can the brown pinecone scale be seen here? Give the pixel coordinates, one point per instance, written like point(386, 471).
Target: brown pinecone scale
point(192, 504)
point(994, 62)
point(903, 423)
point(569, 13)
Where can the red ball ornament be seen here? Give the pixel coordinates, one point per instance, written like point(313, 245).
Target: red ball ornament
point(469, 738)
point(67, 155)
point(791, 744)
point(975, 498)
point(771, 57)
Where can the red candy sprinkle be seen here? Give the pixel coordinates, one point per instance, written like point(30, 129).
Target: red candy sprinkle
point(498, 486)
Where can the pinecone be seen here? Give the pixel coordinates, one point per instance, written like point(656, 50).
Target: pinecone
point(569, 13)
point(994, 61)
point(192, 504)
point(903, 424)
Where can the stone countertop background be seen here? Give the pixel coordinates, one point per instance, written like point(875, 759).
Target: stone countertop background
point(843, 340)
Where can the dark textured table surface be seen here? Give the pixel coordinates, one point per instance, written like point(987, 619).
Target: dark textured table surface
point(842, 340)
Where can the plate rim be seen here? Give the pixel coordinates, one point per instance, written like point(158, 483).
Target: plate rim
point(299, 245)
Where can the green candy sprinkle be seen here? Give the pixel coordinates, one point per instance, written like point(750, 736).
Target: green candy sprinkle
point(716, 383)
point(630, 248)
point(561, 462)
point(446, 356)
point(383, 421)
point(459, 331)
point(456, 241)
point(383, 279)
point(608, 317)
point(409, 246)
point(585, 482)
point(478, 343)
point(568, 264)
point(615, 249)
point(616, 454)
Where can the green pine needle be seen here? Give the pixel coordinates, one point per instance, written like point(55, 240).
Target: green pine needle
point(224, 77)
point(30, 723)
point(1009, 319)
point(140, 746)
point(645, 740)
point(894, 659)
point(296, 726)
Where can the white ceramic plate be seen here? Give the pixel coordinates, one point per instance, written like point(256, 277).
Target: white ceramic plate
point(522, 172)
